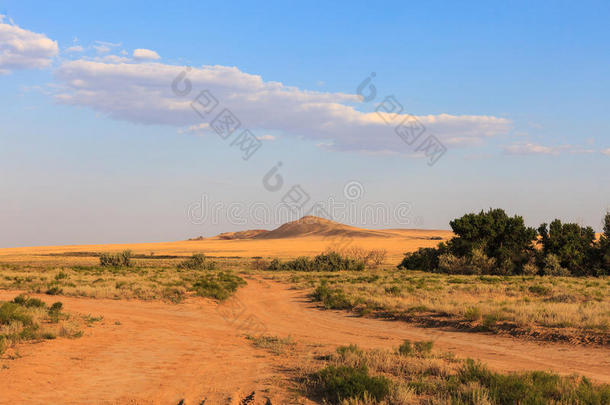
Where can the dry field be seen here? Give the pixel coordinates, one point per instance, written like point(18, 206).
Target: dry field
point(170, 330)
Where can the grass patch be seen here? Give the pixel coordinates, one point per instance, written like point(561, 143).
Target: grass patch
point(26, 319)
point(274, 344)
point(356, 376)
point(219, 286)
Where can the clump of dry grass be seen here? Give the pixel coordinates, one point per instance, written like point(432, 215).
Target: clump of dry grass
point(274, 344)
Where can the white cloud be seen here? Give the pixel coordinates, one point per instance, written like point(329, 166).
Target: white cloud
point(606, 152)
point(104, 46)
point(75, 48)
point(267, 137)
point(528, 148)
point(145, 54)
point(141, 92)
point(23, 49)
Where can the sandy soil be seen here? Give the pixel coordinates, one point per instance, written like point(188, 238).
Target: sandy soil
point(158, 353)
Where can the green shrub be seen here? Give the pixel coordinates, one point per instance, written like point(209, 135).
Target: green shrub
point(472, 314)
point(535, 387)
point(219, 286)
point(332, 298)
point(328, 261)
point(11, 312)
point(336, 384)
point(423, 347)
point(54, 291)
point(539, 289)
point(406, 348)
point(28, 302)
point(197, 261)
point(121, 259)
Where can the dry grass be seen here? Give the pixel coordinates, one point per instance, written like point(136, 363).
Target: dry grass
point(146, 279)
point(432, 378)
point(30, 319)
point(484, 302)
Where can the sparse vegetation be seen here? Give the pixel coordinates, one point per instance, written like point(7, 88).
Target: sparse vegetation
point(420, 376)
point(274, 344)
point(327, 261)
point(219, 285)
point(121, 259)
point(197, 262)
point(25, 319)
point(574, 309)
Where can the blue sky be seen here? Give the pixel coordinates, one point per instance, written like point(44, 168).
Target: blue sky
point(95, 148)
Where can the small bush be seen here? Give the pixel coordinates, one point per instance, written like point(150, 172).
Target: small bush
point(54, 291)
point(28, 302)
point(472, 314)
point(451, 264)
point(552, 266)
point(406, 348)
point(422, 348)
point(11, 312)
point(259, 264)
point(328, 261)
point(539, 289)
point(197, 261)
point(275, 265)
point(121, 259)
point(336, 384)
point(219, 286)
point(332, 298)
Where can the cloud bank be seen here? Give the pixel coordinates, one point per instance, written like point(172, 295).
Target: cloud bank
point(141, 93)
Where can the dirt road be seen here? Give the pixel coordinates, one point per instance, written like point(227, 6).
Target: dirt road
point(158, 353)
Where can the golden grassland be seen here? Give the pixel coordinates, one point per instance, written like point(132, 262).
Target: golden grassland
point(401, 241)
point(552, 308)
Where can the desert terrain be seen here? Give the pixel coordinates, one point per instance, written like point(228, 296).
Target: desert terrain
point(148, 338)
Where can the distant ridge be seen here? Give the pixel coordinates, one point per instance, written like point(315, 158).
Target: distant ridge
point(310, 226)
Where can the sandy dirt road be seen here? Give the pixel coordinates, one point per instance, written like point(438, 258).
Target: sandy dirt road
point(159, 353)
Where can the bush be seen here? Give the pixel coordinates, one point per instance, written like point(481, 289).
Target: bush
point(530, 269)
point(336, 384)
point(328, 261)
point(535, 387)
point(260, 264)
point(11, 312)
point(197, 261)
point(332, 298)
point(275, 265)
point(121, 259)
point(426, 259)
point(451, 264)
point(473, 314)
point(28, 302)
point(552, 266)
point(219, 286)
